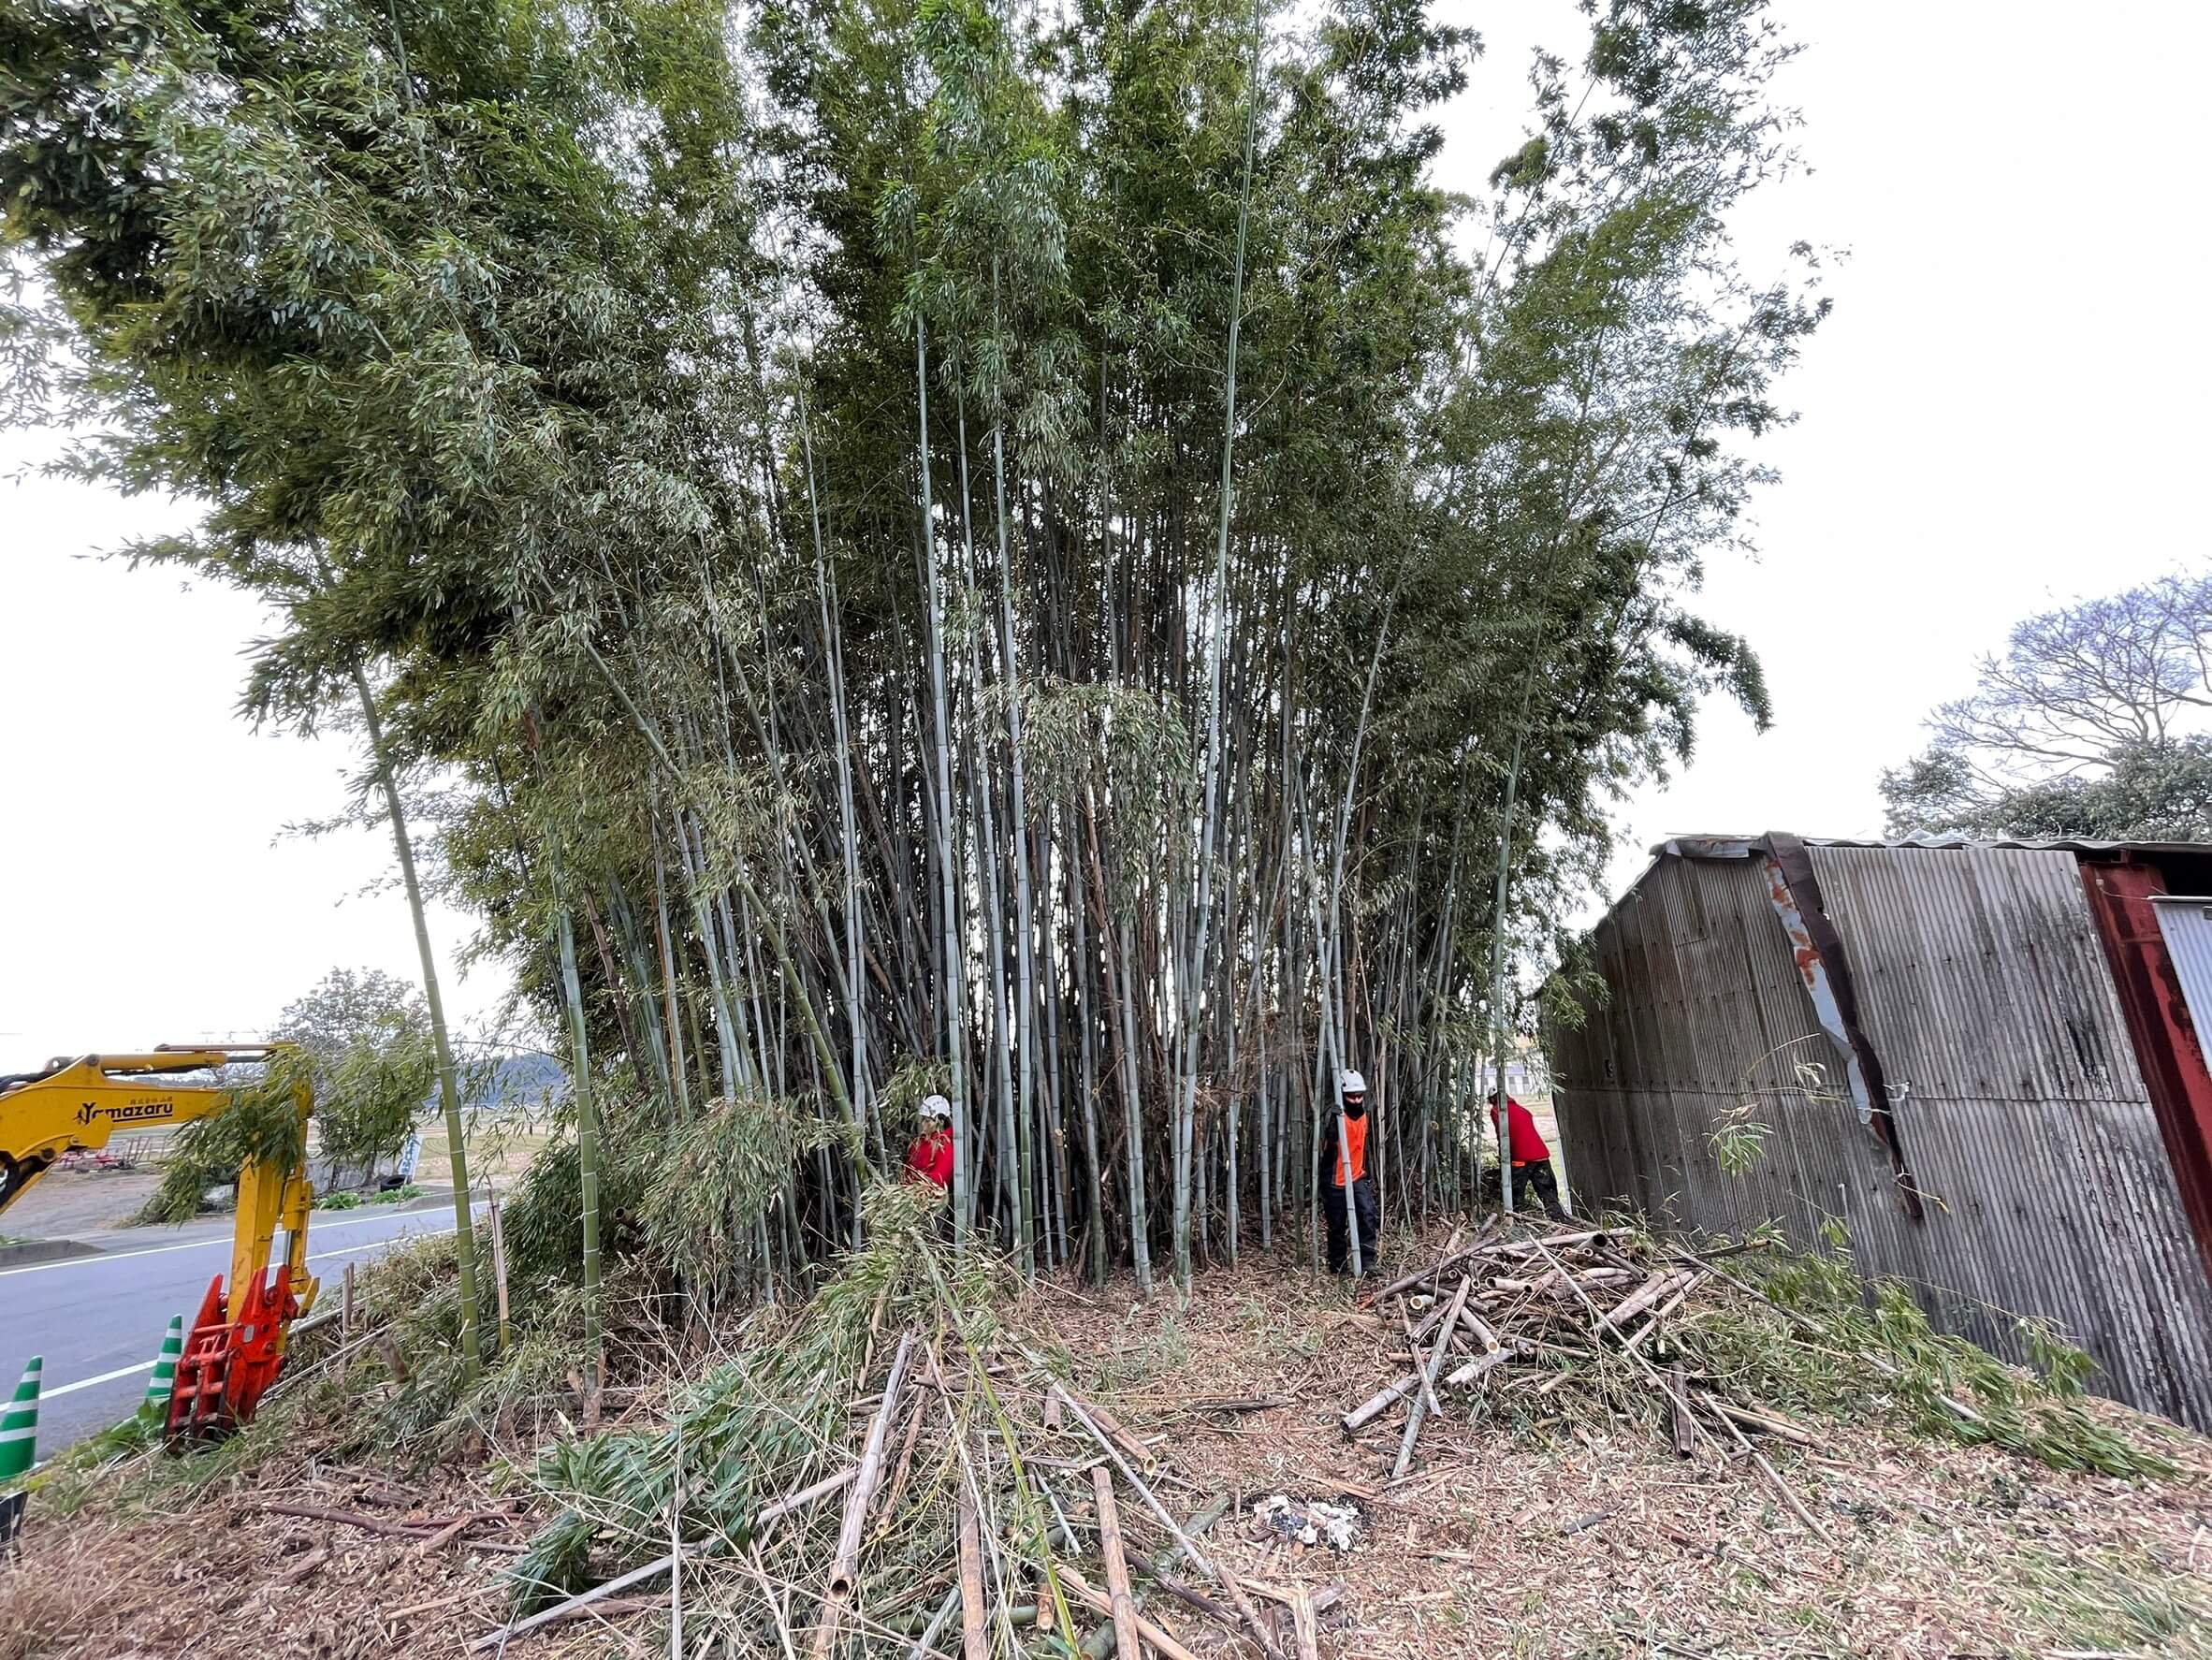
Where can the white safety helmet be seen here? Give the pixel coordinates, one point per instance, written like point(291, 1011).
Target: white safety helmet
point(1350, 1083)
point(936, 1106)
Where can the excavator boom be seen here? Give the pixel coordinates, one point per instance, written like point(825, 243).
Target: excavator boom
point(237, 1345)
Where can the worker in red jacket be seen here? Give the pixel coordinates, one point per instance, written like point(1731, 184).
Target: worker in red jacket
point(930, 1159)
point(1531, 1161)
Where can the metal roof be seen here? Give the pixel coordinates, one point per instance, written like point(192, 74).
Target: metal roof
point(1741, 847)
point(1744, 847)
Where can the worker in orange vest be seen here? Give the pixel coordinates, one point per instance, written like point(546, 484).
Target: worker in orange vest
point(1356, 1183)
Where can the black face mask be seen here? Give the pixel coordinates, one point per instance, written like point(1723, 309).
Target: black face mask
point(1355, 1108)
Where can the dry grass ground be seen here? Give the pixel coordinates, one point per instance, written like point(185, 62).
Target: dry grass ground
point(1531, 1532)
point(1535, 1533)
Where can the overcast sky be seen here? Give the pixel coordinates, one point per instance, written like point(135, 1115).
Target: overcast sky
point(2004, 411)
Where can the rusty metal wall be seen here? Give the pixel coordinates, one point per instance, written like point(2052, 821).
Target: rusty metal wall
point(2021, 1111)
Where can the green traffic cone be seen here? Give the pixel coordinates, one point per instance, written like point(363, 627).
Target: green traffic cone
point(164, 1364)
point(18, 1422)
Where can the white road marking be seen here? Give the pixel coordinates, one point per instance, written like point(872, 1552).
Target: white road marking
point(410, 1233)
point(103, 1377)
point(48, 1394)
point(190, 1244)
point(193, 1244)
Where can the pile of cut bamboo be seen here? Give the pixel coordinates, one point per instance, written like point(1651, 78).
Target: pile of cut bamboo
point(1559, 1304)
point(1056, 1527)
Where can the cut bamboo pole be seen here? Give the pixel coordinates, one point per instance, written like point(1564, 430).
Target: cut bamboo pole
point(1367, 1411)
point(1651, 1291)
point(1099, 1603)
point(1212, 1570)
point(842, 1579)
point(1678, 1406)
point(1304, 1626)
point(1479, 1366)
point(1124, 1605)
point(499, 1271)
point(975, 1633)
point(1421, 1402)
point(1659, 1314)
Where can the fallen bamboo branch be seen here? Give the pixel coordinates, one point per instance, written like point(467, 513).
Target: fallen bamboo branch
point(353, 1518)
point(1774, 1479)
point(1428, 1393)
point(1121, 1600)
point(638, 1576)
point(842, 1581)
point(1212, 1570)
point(975, 1636)
point(1771, 1423)
point(1150, 1630)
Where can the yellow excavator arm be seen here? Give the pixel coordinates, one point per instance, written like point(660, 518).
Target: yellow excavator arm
point(237, 1344)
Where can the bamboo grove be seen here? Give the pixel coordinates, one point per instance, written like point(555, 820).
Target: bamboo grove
point(903, 546)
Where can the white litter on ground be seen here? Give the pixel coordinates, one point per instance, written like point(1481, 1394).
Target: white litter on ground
point(1308, 1521)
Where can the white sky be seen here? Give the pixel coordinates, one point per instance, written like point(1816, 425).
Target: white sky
point(2003, 410)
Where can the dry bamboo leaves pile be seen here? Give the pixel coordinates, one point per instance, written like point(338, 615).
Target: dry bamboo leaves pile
point(1537, 1311)
point(982, 1509)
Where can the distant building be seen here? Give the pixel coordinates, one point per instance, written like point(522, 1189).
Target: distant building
point(1983, 1058)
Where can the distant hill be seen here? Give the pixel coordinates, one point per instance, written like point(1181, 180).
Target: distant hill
point(525, 1081)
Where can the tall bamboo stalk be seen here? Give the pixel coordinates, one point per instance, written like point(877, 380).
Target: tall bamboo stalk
point(441, 1038)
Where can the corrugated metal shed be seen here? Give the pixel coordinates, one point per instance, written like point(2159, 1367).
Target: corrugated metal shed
point(2020, 1112)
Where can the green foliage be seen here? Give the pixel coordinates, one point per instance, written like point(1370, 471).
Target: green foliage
point(1739, 1140)
point(756, 1427)
point(899, 1098)
point(2113, 1603)
point(372, 1064)
point(259, 1125)
point(350, 1200)
point(708, 1186)
point(1872, 1349)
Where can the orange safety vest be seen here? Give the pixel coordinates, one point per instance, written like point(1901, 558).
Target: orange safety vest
point(1354, 1141)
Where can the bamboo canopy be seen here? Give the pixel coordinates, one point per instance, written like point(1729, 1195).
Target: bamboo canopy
point(915, 548)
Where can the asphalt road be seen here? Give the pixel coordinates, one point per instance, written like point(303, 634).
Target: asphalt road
point(98, 1321)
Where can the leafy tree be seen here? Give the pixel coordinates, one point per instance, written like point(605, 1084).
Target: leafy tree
point(2090, 725)
point(372, 1064)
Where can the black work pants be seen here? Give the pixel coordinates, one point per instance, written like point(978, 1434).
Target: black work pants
point(1539, 1176)
point(1370, 1215)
